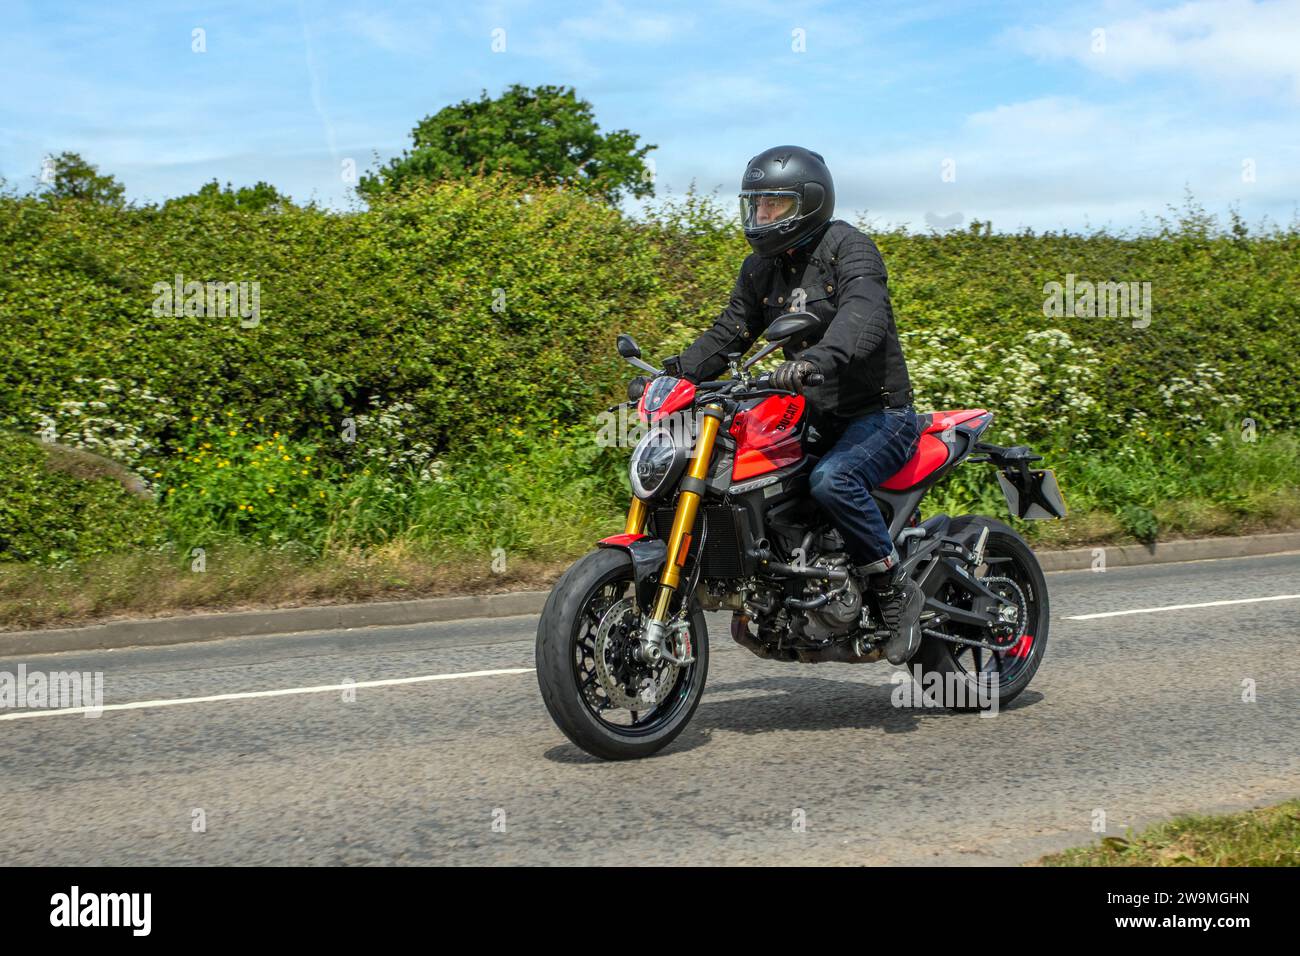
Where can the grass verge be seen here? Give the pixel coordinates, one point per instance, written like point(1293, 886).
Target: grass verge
point(1266, 836)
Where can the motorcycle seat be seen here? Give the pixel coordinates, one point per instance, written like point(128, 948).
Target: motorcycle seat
point(931, 452)
point(941, 421)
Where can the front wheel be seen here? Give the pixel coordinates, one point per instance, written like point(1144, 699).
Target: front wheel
point(966, 673)
point(598, 692)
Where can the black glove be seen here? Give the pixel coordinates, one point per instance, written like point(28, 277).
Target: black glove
point(673, 367)
point(790, 376)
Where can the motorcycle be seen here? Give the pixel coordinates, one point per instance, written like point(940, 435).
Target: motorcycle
point(721, 519)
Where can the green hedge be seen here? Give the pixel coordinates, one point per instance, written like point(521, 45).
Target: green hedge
point(416, 339)
point(394, 304)
point(58, 505)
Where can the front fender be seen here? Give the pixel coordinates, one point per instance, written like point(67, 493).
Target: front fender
point(648, 557)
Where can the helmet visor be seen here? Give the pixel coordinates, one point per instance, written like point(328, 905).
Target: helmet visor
point(761, 210)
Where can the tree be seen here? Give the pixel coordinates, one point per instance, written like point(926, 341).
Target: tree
point(544, 132)
point(68, 176)
point(257, 198)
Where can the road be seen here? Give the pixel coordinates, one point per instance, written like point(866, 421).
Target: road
point(1140, 716)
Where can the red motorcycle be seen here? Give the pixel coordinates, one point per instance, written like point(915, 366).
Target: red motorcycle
point(721, 519)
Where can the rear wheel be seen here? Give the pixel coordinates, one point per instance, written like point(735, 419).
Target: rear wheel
point(598, 692)
point(968, 674)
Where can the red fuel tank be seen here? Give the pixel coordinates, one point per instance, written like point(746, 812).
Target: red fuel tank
point(767, 436)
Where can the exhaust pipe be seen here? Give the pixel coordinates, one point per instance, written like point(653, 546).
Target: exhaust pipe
point(843, 652)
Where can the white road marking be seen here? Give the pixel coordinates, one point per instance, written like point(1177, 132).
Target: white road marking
point(1181, 607)
point(247, 695)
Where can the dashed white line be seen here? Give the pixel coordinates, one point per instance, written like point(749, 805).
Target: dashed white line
point(1180, 607)
point(248, 695)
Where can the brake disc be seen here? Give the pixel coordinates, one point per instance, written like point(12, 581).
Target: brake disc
point(627, 682)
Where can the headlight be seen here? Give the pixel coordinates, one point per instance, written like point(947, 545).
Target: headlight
point(657, 462)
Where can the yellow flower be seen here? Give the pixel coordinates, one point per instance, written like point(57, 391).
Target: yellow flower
point(284, 457)
point(275, 434)
point(195, 418)
point(171, 491)
point(270, 490)
point(308, 458)
point(157, 474)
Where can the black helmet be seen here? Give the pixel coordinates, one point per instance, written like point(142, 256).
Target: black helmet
point(786, 195)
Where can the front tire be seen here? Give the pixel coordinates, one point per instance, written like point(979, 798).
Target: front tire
point(590, 612)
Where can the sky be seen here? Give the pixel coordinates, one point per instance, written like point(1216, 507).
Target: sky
point(1066, 115)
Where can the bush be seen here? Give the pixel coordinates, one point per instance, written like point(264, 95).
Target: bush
point(61, 505)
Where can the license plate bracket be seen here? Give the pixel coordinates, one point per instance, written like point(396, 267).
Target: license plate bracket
point(1033, 495)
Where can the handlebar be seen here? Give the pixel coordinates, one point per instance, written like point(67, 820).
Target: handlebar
point(730, 388)
point(763, 381)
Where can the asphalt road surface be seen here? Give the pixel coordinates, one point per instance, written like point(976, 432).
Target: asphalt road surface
point(430, 744)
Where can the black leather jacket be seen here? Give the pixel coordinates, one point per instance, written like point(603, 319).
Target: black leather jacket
point(843, 282)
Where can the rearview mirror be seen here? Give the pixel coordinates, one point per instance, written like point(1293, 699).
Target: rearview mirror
point(790, 326)
point(627, 347)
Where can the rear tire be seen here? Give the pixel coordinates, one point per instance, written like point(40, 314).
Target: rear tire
point(1012, 557)
point(565, 663)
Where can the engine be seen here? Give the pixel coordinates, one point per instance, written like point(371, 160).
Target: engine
point(839, 616)
point(808, 618)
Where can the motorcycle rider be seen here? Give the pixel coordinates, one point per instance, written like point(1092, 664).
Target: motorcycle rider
point(805, 261)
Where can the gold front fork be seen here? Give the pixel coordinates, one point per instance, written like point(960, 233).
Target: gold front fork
point(636, 515)
point(688, 503)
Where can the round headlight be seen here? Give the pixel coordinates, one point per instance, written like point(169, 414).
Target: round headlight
point(657, 462)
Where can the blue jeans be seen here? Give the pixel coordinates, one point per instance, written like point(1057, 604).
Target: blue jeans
point(870, 450)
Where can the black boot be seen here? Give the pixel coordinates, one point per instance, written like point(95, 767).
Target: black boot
point(900, 608)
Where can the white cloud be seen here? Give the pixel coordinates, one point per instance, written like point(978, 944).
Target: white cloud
point(1049, 116)
point(1058, 161)
point(1247, 46)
